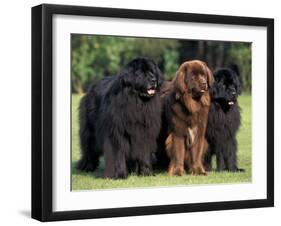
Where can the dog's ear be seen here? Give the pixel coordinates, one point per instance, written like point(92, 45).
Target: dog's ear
point(160, 76)
point(180, 83)
point(210, 76)
point(127, 76)
point(158, 72)
point(127, 73)
point(235, 68)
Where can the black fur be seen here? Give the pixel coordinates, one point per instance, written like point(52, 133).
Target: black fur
point(224, 120)
point(119, 118)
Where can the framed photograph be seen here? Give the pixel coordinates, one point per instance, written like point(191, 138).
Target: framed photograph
point(145, 112)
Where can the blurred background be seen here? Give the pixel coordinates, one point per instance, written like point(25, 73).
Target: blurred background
point(94, 57)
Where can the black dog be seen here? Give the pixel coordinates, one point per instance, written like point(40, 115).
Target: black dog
point(120, 116)
point(224, 120)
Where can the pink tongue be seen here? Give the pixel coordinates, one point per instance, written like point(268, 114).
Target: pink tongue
point(151, 91)
point(230, 102)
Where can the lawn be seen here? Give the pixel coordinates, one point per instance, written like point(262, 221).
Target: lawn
point(87, 181)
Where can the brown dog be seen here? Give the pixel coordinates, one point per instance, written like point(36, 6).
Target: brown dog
point(187, 107)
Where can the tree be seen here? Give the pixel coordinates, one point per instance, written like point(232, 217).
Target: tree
point(96, 56)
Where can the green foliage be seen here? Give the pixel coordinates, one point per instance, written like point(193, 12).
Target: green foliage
point(170, 57)
point(96, 56)
point(93, 57)
point(240, 53)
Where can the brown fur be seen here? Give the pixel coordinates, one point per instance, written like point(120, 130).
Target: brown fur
point(187, 107)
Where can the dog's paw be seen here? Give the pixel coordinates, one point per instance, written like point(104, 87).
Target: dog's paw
point(176, 171)
point(145, 171)
point(86, 165)
point(240, 170)
point(198, 170)
point(121, 174)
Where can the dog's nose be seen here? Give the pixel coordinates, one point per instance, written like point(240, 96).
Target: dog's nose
point(233, 93)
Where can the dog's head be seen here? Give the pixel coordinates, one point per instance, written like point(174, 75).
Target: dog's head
point(193, 77)
point(143, 76)
point(227, 86)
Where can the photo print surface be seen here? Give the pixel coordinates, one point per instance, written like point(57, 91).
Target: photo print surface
point(152, 112)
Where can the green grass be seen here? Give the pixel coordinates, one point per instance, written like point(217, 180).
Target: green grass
point(87, 181)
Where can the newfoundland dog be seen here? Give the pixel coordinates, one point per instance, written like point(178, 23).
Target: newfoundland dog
point(120, 117)
point(186, 108)
point(224, 120)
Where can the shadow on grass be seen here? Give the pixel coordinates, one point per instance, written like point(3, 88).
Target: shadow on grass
point(98, 173)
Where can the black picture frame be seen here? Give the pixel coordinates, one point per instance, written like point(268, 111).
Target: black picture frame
point(42, 107)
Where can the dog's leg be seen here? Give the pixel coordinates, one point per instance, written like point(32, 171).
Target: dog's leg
point(220, 159)
point(142, 154)
point(231, 156)
point(89, 152)
point(208, 159)
point(200, 144)
point(145, 164)
point(197, 153)
point(115, 161)
point(177, 155)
